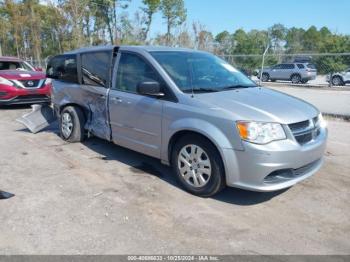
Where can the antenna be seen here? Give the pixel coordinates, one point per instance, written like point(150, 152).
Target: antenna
point(191, 78)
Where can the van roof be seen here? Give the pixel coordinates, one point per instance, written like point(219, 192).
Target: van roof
point(130, 48)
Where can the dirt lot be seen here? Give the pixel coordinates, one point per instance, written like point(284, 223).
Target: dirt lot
point(98, 198)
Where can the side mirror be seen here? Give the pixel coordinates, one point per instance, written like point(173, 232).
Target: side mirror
point(39, 69)
point(149, 88)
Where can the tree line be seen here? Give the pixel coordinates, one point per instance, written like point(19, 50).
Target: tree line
point(31, 29)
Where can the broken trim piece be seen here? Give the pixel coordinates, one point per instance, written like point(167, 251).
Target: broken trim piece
point(40, 118)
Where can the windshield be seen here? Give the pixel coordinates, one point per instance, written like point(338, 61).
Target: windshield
point(15, 65)
point(201, 71)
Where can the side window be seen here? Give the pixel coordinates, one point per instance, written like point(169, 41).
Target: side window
point(131, 71)
point(300, 66)
point(277, 67)
point(9, 65)
point(63, 67)
point(287, 66)
point(95, 68)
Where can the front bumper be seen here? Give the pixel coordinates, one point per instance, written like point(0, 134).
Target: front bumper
point(274, 166)
point(10, 95)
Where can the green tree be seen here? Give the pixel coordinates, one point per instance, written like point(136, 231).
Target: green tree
point(175, 13)
point(277, 35)
point(225, 42)
point(150, 8)
point(294, 40)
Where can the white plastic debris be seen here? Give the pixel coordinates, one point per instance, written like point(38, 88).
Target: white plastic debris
point(40, 118)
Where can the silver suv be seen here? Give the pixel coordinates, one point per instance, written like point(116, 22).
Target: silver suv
point(340, 78)
point(295, 72)
point(192, 111)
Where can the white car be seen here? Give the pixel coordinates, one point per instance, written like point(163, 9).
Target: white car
point(340, 79)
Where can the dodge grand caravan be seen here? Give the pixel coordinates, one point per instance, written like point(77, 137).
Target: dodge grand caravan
point(192, 111)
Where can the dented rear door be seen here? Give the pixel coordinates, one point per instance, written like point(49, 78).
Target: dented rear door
point(95, 80)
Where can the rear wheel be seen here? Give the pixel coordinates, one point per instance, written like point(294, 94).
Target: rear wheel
point(304, 81)
point(296, 79)
point(337, 81)
point(265, 77)
point(198, 166)
point(72, 123)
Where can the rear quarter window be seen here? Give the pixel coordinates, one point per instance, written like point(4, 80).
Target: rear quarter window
point(95, 67)
point(311, 66)
point(64, 68)
point(300, 66)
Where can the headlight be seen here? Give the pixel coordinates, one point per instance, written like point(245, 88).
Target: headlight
point(48, 81)
point(4, 81)
point(321, 122)
point(260, 132)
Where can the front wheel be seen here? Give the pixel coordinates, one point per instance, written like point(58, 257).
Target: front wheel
point(337, 81)
point(72, 123)
point(198, 166)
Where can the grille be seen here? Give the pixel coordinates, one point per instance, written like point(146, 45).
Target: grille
point(300, 126)
point(31, 97)
point(287, 174)
point(30, 83)
point(305, 138)
point(305, 131)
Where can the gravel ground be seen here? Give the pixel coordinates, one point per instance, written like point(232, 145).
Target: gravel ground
point(98, 198)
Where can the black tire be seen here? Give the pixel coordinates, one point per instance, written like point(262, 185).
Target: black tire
point(78, 121)
point(304, 81)
point(216, 181)
point(296, 79)
point(265, 77)
point(337, 81)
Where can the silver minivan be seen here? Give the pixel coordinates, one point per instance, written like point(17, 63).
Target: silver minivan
point(191, 110)
point(295, 72)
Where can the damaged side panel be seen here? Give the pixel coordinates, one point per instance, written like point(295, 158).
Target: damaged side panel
point(93, 101)
point(82, 79)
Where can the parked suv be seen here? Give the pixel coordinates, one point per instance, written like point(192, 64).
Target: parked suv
point(295, 72)
point(192, 111)
point(341, 78)
point(21, 83)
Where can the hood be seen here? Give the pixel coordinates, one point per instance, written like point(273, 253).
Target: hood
point(260, 104)
point(22, 75)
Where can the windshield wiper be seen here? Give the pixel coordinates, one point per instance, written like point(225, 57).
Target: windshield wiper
point(200, 90)
point(236, 87)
